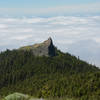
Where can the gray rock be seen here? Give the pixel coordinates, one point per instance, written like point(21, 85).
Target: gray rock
point(43, 49)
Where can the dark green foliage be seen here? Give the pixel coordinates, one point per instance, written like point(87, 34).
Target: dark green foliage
point(58, 76)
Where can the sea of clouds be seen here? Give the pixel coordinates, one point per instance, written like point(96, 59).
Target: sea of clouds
point(79, 35)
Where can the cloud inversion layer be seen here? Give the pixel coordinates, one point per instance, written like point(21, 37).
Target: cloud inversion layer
point(78, 35)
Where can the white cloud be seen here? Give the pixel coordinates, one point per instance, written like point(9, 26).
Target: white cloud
point(22, 37)
point(3, 26)
point(96, 39)
point(77, 35)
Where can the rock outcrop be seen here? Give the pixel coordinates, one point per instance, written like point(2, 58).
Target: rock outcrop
point(43, 49)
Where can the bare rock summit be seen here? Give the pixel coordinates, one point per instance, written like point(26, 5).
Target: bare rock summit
point(42, 49)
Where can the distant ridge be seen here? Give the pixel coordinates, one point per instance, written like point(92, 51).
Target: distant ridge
point(42, 49)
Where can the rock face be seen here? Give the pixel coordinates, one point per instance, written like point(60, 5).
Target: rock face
point(43, 49)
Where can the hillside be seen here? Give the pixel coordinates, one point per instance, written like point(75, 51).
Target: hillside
point(60, 75)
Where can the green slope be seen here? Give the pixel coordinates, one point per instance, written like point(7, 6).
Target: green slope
point(59, 76)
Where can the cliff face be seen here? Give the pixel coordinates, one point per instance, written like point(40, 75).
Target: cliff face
point(43, 49)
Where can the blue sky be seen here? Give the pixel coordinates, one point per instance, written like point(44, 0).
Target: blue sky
point(41, 3)
point(49, 7)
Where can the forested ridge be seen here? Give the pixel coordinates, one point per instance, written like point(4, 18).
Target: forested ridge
point(63, 75)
